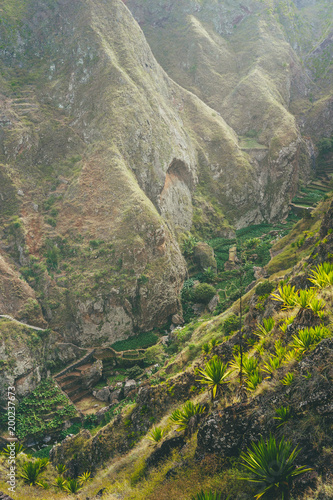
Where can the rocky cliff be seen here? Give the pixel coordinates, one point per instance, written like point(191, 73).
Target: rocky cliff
point(107, 156)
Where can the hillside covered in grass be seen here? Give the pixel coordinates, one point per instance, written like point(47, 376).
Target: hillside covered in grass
point(166, 248)
point(257, 374)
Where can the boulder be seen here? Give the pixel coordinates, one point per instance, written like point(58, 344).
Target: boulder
point(213, 303)
point(102, 394)
point(177, 319)
point(130, 385)
point(203, 256)
point(116, 395)
point(93, 374)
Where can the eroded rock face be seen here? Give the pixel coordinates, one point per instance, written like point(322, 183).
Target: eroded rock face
point(120, 152)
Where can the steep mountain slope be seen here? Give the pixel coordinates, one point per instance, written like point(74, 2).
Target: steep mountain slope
point(104, 158)
point(286, 393)
point(265, 66)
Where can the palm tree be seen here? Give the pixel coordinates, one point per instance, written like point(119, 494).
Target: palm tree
point(214, 375)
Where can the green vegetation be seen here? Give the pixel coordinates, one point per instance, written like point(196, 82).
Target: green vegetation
point(207, 496)
point(182, 417)
point(31, 471)
point(264, 288)
point(203, 293)
point(141, 341)
point(214, 375)
point(308, 338)
point(283, 414)
point(231, 324)
point(156, 434)
point(322, 275)
point(286, 295)
point(271, 465)
point(44, 410)
point(73, 485)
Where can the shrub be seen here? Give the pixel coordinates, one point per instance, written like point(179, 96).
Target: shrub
point(266, 328)
point(322, 275)
point(85, 477)
point(59, 482)
point(208, 275)
point(250, 365)
point(182, 417)
point(231, 324)
point(203, 293)
point(271, 466)
point(272, 364)
point(214, 375)
point(283, 414)
point(305, 297)
point(308, 338)
point(205, 348)
point(72, 485)
point(288, 379)
point(61, 468)
point(18, 449)
point(31, 471)
point(214, 343)
point(188, 244)
point(253, 380)
point(287, 295)
point(264, 288)
point(156, 434)
point(317, 306)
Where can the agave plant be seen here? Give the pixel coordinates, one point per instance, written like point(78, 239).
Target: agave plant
point(72, 485)
point(265, 328)
point(321, 332)
point(253, 380)
point(43, 484)
point(286, 323)
point(205, 348)
point(207, 496)
point(308, 338)
point(288, 379)
point(182, 417)
point(156, 434)
point(322, 275)
point(214, 342)
point(271, 465)
point(283, 414)
point(85, 477)
point(280, 350)
point(61, 468)
point(249, 364)
point(44, 462)
point(8, 449)
point(30, 472)
point(305, 297)
point(59, 482)
point(292, 355)
point(272, 364)
point(214, 375)
point(287, 295)
point(317, 305)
